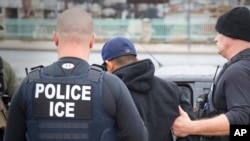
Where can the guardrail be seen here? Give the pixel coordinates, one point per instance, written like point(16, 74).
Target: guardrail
point(154, 30)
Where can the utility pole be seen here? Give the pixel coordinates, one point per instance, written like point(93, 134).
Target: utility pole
point(189, 25)
point(27, 7)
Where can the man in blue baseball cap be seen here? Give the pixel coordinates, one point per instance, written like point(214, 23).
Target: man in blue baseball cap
point(115, 49)
point(157, 100)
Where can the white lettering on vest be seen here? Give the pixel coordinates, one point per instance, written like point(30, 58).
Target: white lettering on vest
point(74, 92)
point(61, 97)
point(60, 109)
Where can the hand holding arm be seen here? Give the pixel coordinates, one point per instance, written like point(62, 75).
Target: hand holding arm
point(216, 126)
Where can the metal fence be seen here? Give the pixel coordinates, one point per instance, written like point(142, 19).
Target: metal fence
point(141, 30)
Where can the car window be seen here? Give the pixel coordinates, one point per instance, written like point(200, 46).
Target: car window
point(193, 80)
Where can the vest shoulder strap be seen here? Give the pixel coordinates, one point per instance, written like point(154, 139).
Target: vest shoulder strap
point(34, 74)
point(95, 73)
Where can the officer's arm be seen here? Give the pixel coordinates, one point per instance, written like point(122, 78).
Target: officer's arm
point(15, 129)
point(128, 119)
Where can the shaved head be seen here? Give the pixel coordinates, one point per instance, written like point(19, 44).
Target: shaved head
point(74, 23)
point(74, 34)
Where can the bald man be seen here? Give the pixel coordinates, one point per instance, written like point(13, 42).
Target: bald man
point(229, 103)
point(70, 100)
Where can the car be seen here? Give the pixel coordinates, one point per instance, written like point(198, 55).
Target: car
point(194, 80)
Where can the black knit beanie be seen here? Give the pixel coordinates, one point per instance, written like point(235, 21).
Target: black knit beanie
point(235, 23)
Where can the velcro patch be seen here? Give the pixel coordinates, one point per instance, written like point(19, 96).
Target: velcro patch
point(62, 101)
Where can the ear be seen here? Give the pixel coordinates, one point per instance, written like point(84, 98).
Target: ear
point(110, 66)
point(55, 37)
point(92, 40)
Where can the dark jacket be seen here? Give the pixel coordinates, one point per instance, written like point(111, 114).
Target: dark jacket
point(156, 99)
point(114, 103)
point(231, 94)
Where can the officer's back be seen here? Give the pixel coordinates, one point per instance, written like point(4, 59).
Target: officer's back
point(70, 100)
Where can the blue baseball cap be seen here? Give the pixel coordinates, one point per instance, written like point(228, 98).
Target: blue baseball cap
point(116, 47)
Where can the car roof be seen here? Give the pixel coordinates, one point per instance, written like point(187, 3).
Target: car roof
point(182, 73)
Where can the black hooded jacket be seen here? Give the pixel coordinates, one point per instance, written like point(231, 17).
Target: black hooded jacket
point(156, 99)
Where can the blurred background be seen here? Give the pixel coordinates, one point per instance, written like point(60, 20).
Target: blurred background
point(148, 21)
point(171, 32)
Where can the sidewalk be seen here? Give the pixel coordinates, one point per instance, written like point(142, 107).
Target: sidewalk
point(141, 47)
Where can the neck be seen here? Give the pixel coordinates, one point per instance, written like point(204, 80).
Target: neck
point(237, 48)
point(77, 51)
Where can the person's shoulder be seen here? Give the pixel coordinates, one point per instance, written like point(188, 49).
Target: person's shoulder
point(165, 81)
point(238, 66)
point(110, 77)
point(236, 69)
point(166, 85)
point(5, 63)
point(113, 85)
point(113, 81)
point(7, 67)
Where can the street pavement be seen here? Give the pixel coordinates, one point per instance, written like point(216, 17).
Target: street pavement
point(141, 47)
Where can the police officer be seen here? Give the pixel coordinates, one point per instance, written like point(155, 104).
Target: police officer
point(8, 78)
point(230, 98)
point(8, 84)
point(70, 100)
